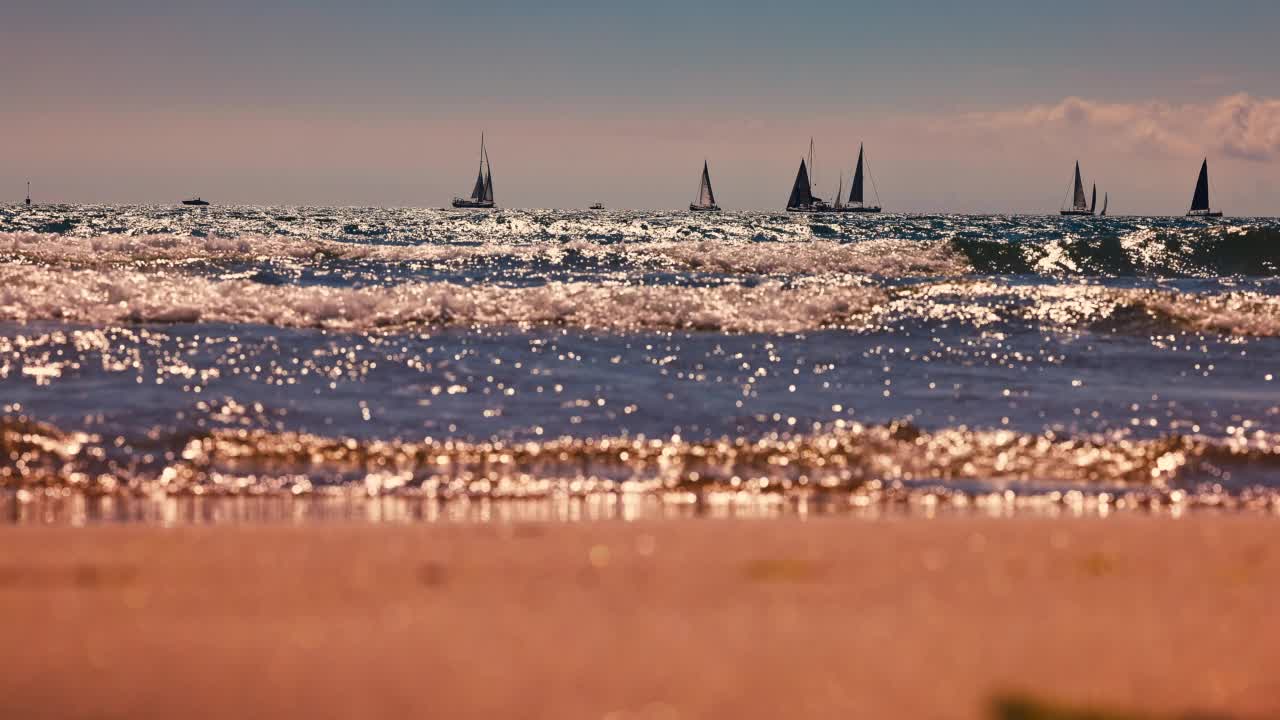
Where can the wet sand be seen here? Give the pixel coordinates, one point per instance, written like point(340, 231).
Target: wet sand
point(667, 619)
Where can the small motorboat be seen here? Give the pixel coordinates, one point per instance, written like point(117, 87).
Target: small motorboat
point(195, 201)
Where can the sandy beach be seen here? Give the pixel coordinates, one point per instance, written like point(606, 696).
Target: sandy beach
point(665, 619)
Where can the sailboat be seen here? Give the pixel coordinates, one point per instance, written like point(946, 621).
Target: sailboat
point(28, 200)
point(1200, 201)
point(856, 202)
point(706, 201)
point(1079, 206)
point(802, 199)
point(482, 193)
point(196, 201)
point(1106, 198)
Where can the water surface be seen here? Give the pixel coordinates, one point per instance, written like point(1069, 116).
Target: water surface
point(665, 356)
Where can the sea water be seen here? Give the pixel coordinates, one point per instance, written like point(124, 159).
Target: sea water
point(654, 357)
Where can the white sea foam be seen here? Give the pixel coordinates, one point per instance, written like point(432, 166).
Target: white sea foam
point(127, 296)
point(114, 296)
point(1233, 313)
point(869, 460)
point(883, 257)
point(1076, 307)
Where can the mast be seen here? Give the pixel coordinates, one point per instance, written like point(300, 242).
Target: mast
point(477, 192)
point(1200, 201)
point(813, 169)
point(488, 177)
point(28, 201)
point(856, 192)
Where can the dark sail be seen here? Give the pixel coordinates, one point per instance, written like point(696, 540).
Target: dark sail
point(800, 193)
point(1094, 205)
point(1200, 201)
point(1106, 198)
point(1079, 203)
point(855, 194)
point(706, 198)
point(477, 193)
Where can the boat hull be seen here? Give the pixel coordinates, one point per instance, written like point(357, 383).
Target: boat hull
point(860, 209)
point(703, 208)
point(811, 209)
point(195, 203)
point(1215, 214)
point(473, 204)
point(1076, 213)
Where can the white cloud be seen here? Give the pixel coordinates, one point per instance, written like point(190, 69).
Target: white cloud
point(1239, 126)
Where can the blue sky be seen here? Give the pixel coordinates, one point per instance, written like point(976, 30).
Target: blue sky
point(379, 103)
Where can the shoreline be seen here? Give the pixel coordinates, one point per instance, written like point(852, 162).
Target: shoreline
point(65, 507)
point(678, 618)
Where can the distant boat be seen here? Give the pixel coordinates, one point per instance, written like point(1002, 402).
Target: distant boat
point(1079, 205)
point(1106, 197)
point(1200, 200)
point(596, 206)
point(28, 201)
point(195, 201)
point(856, 201)
point(482, 193)
point(706, 201)
point(802, 199)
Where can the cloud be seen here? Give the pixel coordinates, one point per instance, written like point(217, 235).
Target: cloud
point(1239, 126)
point(1247, 128)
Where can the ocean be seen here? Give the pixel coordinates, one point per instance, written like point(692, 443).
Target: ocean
point(435, 363)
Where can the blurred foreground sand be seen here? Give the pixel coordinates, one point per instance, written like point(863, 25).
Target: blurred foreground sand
point(666, 619)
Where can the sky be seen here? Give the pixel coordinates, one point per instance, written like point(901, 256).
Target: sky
point(963, 107)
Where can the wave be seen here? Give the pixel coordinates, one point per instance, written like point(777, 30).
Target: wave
point(110, 297)
point(106, 297)
point(845, 458)
point(1169, 252)
point(1096, 308)
point(880, 257)
point(895, 246)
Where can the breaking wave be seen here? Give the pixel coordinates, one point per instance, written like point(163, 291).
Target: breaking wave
point(847, 458)
point(29, 293)
point(1153, 252)
point(743, 243)
point(1092, 307)
point(104, 297)
point(881, 257)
